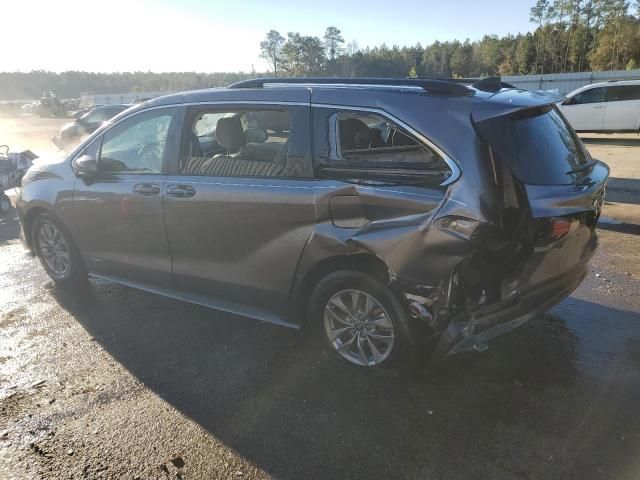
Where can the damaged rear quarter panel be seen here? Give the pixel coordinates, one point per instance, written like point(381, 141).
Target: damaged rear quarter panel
point(398, 219)
point(397, 225)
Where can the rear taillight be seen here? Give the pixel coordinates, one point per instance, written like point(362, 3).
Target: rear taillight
point(460, 226)
point(560, 227)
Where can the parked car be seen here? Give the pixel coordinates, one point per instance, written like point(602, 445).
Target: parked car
point(73, 132)
point(604, 107)
point(30, 108)
point(139, 100)
point(76, 114)
point(389, 217)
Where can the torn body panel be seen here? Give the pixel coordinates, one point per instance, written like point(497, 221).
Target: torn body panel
point(479, 258)
point(398, 225)
point(541, 249)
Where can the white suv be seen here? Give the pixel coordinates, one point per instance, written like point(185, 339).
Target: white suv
point(610, 106)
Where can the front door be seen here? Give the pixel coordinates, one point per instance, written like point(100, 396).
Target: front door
point(586, 110)
point(119, 222)
point(241, 207)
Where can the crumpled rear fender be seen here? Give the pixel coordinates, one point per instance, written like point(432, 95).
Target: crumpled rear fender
point(393, 224)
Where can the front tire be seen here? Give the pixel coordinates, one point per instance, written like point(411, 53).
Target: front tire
point(361, 322)
point(57, 252)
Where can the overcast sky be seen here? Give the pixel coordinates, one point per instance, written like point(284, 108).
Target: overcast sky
point(213, 36)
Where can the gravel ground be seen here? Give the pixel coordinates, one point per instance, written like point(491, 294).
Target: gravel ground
point(109, 382)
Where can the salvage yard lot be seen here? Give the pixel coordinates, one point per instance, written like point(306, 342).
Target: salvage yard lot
point(110, 382)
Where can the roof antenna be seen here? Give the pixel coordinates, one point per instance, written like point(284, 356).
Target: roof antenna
point(491, 84)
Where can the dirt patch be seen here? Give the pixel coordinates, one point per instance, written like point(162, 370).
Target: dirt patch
point(12, 316)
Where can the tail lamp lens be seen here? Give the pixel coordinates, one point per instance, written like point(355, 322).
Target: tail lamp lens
point(460, 226)
point(560, 227)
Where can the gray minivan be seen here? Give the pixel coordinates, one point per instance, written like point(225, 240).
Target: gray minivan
point(391, 217)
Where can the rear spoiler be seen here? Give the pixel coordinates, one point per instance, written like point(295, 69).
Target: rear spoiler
point(507, 102)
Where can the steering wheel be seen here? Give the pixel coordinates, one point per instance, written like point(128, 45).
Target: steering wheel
point(150, 156)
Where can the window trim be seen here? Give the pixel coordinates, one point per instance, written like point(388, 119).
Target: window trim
point(240, 106)
point(456, 171)
point(622, 87)
point(180, 110)
point(604, 95)
point(176, 122)
point(333, 135)
point(163, 162)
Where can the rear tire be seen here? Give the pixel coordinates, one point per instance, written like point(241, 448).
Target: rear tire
point(57, 251)
point(359, 321)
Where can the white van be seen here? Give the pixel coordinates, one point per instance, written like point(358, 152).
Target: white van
point(611, 107)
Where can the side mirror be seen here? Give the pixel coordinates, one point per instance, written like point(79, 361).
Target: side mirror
point(256, 135)
point(569, 101)
point(85, 166)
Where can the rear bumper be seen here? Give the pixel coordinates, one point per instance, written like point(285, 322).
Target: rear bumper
point(472, 331)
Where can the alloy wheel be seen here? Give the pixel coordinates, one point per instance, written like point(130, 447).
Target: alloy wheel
point(54, 249)
point(359, 328)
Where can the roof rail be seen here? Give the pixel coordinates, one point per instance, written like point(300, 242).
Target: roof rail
point(431, 85)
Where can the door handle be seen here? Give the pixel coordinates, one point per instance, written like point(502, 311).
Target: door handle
point(180, 191)
point(598, 107)
point(147, 189)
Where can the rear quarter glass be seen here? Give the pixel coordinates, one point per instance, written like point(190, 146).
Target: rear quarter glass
point(544, 148)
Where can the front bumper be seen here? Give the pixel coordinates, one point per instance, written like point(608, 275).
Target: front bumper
point(470, 331)
point(23, 239)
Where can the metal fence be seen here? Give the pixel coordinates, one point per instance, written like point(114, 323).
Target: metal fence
point(560, 83)
point(564, 83)
point(89, 100)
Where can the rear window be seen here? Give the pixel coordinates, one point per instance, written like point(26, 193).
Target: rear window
point(545, 149)
point(368, 140)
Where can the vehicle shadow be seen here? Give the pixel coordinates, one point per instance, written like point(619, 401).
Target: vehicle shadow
point(264, 392)
point(617, 226)
point(623, 190)
point(621, 142)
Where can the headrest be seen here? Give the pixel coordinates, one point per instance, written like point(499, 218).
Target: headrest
point(354, 133)
point(229, 133)
point(272, 120)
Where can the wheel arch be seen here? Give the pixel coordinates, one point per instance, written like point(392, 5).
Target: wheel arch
point(30, 216)
point(27, 223)
point(366, 263)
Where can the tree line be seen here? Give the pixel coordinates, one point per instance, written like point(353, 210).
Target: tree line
point(72, 84)
point(569, 36)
